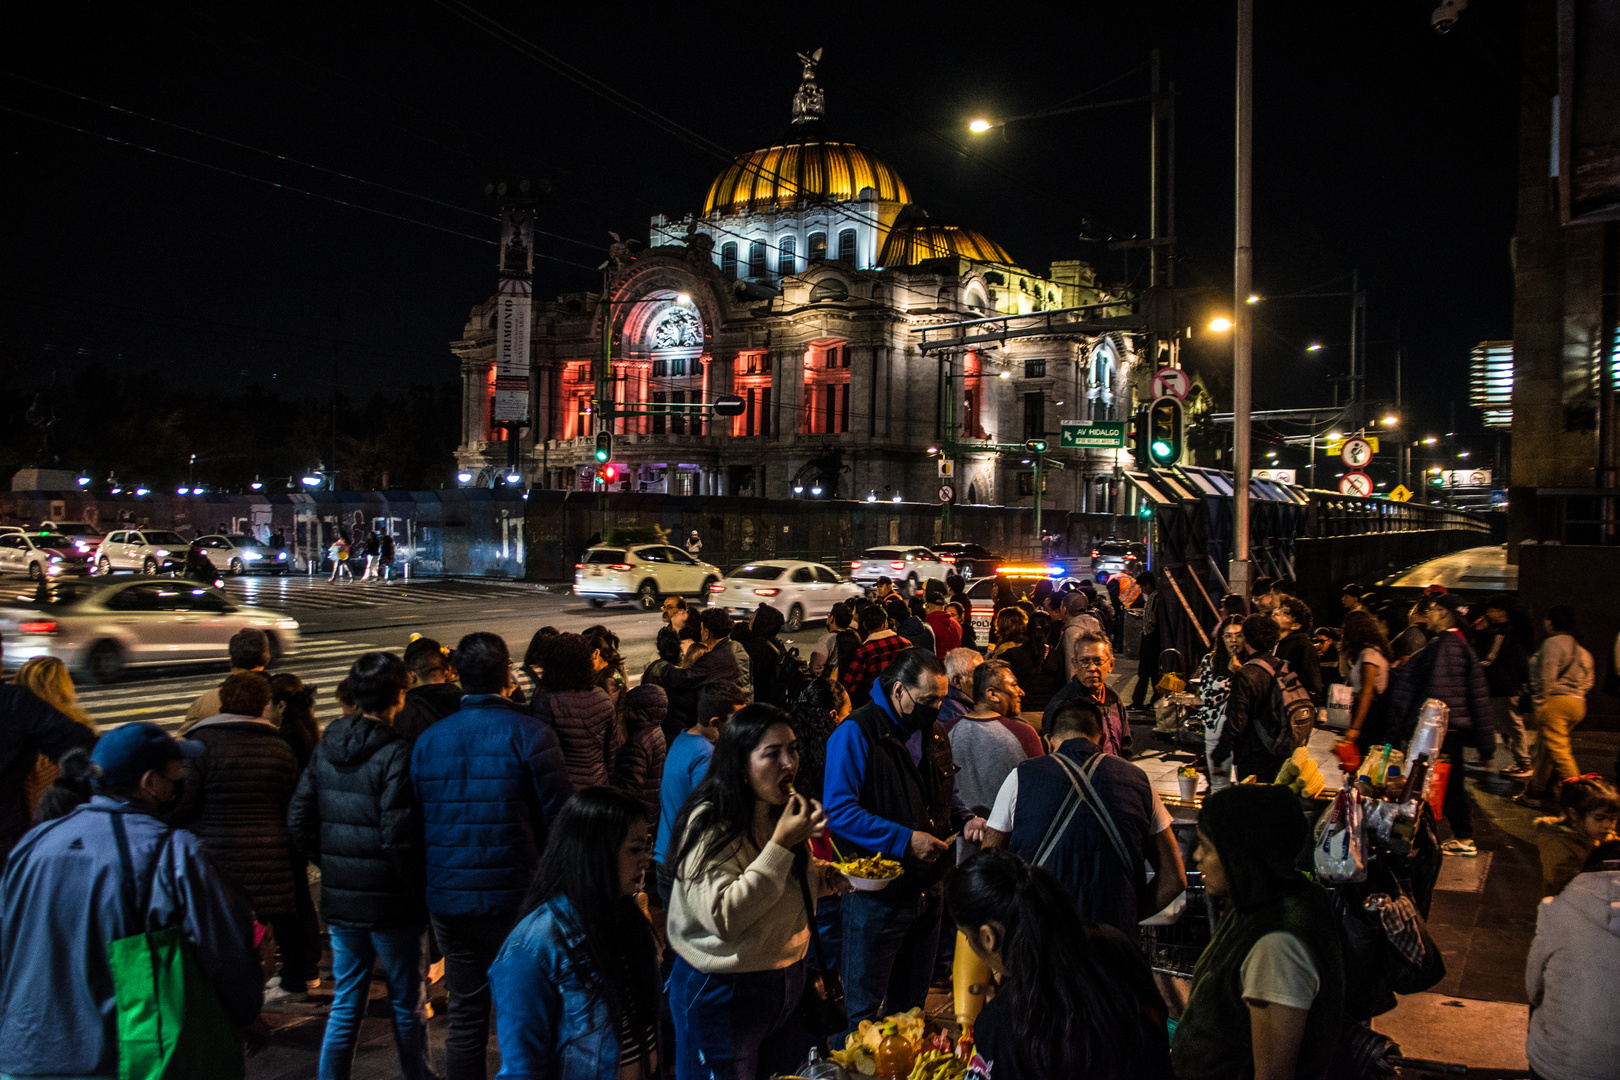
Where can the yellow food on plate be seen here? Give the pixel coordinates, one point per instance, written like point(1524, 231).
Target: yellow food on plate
point(873, 866)
point(938, 1065)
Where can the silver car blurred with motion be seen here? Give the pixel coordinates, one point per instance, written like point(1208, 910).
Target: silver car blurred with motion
point(101, 629)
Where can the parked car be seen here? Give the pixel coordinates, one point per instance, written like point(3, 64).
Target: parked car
point(982, 607)
point(969, 560)
point(799, 590)
point(237, 554)
point(103, 628)
point(1114, 555)
point(644, 573)
point(146, 551)
point(41, 555)
point(907, 567)
point(84, 537)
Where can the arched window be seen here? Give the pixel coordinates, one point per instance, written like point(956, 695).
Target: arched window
point(756, 259)
point(1101, 379)
point(785, 262)
point(728, 258)
point(846, 247)
point(818, 246)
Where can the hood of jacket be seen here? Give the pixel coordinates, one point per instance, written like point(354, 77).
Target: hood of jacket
point(1259, 833)
point(219, 719)
point(351, 740)
point(645, 706)
point(443, 697)
point(767, 621)
point(1596, 897)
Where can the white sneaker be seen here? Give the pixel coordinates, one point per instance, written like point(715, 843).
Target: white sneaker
point(275, 991)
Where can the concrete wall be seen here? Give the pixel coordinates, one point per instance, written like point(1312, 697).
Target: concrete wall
point(1323, 566)
point(1587, 579)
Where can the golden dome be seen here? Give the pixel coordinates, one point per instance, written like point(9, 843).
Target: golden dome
point(808, 169)
point(913, 244)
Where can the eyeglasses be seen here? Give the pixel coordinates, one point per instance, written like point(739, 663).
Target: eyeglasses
point(1091, 661)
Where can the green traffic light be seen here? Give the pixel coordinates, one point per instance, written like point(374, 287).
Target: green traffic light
point(1146, 511)
point(1161, 450)
point(601, 455)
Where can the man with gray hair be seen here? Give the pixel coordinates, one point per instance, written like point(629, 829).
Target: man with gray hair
point(1077, 620)
point(1093, 661)
point(959, 667)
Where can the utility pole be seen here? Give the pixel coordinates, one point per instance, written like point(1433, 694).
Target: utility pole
point(1242, 310)
point(602, 410)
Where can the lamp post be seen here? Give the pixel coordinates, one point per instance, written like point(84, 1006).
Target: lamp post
point(1237, 577)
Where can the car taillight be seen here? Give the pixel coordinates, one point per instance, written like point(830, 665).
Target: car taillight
point(37, 627)
point(620, 567)
point(579, 566)
point(766, 592)
point(854, 565)
point(897, 566)
point(717, 588)
point(948, 559)
point(1094, 553)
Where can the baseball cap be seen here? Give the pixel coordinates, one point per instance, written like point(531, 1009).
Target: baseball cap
point(1436, 589)
point(934, 591)
point(127, 753)
point(1451, 602)
point(1077, 603)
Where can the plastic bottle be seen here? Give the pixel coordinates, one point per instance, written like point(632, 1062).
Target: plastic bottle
point(968, 971)
point(895, 1054)
point(1431, 730)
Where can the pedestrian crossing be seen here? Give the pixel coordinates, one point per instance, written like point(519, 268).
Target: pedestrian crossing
point(321, 662)
point(318, 594)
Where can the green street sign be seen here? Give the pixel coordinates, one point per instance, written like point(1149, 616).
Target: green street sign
point(1101, 434)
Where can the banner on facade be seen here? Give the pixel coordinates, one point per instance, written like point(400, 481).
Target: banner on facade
point(512, 315)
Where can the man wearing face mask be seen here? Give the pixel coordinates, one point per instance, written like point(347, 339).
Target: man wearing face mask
point(65, 899)
point(890, 790)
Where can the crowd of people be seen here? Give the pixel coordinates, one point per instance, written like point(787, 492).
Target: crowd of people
point(636, 877)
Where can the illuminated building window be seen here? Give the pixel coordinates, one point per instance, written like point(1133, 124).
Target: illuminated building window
point(785, 261)
point(756, 259)
point(1490, 382)
point(818, 246)
point(1034, 369)
point(846, 247)
point(728, 258)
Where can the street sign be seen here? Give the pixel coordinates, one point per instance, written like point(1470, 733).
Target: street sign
point(1281, 476)
point(1355, 483)
point(947, 493)
point(1100, 434)
point(1356, 453)
point(1335, 447)
point(1171, 382)
point(1477, 478)
point(1498, 499)
point(947, 468)
point(1401, 493)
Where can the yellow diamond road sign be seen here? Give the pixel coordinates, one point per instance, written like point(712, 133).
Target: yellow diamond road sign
point(1400, 494)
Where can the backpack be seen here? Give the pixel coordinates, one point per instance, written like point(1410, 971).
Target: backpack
point(1289, 715)
point(791, 676)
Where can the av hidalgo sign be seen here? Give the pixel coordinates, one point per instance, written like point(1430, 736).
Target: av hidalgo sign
point(1102, 435)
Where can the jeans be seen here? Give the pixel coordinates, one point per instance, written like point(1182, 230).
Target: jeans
point(1510, 728)
point(354, 951)
point(1147, 670)
point(1556, 718)
point(1459, 803)
point(830, 928)
point(891, 968)
point(470, 944)
point(723, 1021)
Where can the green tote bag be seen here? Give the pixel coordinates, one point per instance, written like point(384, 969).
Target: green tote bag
point(171, 1025)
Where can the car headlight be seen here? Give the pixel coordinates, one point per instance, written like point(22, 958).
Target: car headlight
point(56, 558)
point(81, 545)
point(281, 556)
point(251, 556)
point(161, 552)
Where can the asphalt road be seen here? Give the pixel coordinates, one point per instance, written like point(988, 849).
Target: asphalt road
point(339, 622)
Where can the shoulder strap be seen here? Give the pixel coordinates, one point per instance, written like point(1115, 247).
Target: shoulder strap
point(1083, 775)
point(132, 895)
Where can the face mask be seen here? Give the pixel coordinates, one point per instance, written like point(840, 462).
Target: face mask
point(921, 717)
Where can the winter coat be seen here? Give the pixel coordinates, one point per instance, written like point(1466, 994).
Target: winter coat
point(235, 798)
point(354, 815)
point(1448, 670)
point(717, 665)
point(583, 721)
point(28, 728)
point(639, 767)
point(425, 706)
point(1572, 977)
point(490, 780)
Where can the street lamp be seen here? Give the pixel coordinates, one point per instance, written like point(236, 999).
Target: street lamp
point(979, 127)
point(1220, 324)
point(1391, 421)
point(897, 496)
point(312, 481)
point(1313, 347)
point(871, 496)
point(816, 490)
point(512, 478)
point(461, 477)
point(798, 489)
point(84, 481)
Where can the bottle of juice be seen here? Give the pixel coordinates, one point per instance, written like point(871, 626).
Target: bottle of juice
point(895, 1054)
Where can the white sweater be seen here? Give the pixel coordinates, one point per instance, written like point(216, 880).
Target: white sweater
point(1572, 977)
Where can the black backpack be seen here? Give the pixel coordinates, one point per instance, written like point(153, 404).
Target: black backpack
point(1285, 723)
point(790, 676)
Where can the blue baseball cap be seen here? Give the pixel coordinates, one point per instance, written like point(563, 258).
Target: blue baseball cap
point(127, 753)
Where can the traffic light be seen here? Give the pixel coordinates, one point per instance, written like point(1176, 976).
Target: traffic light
point(1136, 439)
point(604, 445)
point(1165, 436)
point(1036, 446)
point(605, 474)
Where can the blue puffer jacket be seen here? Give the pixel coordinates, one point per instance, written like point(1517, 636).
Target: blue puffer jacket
point(548, 1020)
point(1447, 669)
point(490, 780)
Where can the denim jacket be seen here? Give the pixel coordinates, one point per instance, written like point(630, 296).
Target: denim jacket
point(547, 1019)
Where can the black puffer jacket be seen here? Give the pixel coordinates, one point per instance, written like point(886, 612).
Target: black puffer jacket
point(639, 767)
point(717, 665)
point(355, 817)
point(234, 799)
point(425, 706)
point(583, 721)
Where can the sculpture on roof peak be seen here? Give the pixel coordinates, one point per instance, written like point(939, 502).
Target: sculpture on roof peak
point(809, 102)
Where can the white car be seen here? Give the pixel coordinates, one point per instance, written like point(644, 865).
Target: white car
point(145, 551)
point(41, 555)
point(906, 567)
point(799, 590)
point(84, 537)
point(237, 554)
point(643, 573)
point(103, 628)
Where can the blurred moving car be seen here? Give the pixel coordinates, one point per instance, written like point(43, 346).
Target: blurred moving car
point(907, 567)
point(644, 573)
point(103, 628)
point(41, 555)
point(1113, 556)
point(148, 551)
point(969, 560)
point(799, 590)
point(238, 554)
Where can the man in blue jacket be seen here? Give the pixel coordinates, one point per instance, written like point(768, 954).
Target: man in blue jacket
point(491, 780)
point(64, 898)
point(891, 790)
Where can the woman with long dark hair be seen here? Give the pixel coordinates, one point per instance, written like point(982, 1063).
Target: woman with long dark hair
point(1215, 673)
point(292, 710)
point(822, 706)
point(1071, 999)
point(576, 984)
point(741, 908)
point(1364, 662)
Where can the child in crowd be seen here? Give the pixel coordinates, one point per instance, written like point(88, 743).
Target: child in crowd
point(1590, 809)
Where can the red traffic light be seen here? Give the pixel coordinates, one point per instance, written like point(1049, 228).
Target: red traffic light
point(608, 473)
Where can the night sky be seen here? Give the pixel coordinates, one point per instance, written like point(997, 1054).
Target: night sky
point(1380, 145)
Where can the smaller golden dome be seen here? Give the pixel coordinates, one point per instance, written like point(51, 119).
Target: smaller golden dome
point(913, 244)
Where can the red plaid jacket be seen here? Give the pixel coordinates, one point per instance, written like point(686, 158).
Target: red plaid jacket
point(867, 664)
